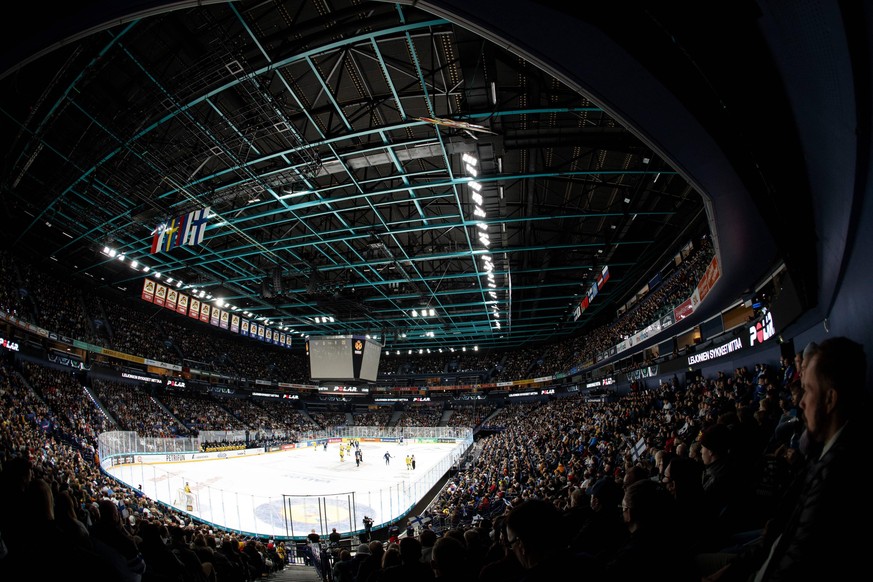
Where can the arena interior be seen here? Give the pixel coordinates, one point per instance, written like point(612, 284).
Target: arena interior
point(605, 268)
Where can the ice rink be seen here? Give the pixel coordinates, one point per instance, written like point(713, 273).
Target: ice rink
point(288, 493)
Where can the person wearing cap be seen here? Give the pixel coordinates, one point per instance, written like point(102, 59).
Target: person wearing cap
point(372, 564)
point(604, 530)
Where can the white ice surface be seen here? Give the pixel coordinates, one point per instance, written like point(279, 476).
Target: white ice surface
point(288, 493)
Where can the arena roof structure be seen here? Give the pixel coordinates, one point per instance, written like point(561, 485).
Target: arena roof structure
point(419, 171)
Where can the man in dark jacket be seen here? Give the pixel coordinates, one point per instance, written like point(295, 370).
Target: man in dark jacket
point(810, 541)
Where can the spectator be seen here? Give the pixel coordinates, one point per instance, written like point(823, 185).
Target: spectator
point(809, 540)
point(604, 531)
point(652, 548)
point(530, 529)
point(341, 571)
point(347, 570)
point(428, 537)
point(449, 561)
point(371, 564)
point(411, 567)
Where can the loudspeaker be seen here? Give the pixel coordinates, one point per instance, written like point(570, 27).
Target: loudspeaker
point(277, 281)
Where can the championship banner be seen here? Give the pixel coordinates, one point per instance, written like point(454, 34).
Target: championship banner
point(216, 312)
point(269, 334)
point(160, 294)
point(182, 306)
point(260, 332)
point(172, 298)
point(204, 312)
point(148, 290)
point(244, 327)
point(195, 308)
point(225, 317)
point(234, 323)
point(282, 339)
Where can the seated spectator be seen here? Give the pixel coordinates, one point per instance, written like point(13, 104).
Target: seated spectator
point(651, 550)
point(427, 538)
point(809, 540)
point(720, 475)
point(604, 531)
point(347, 570)
point(695, 522)
point(449, 561)
point(530, 531)
point(340, 571)
point(501, 564)
point(371, 564)
point(410, 567)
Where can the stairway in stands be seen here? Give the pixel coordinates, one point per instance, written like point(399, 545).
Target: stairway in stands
point(295, 573)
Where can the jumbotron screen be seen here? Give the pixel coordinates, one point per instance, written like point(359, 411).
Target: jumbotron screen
point(343, 357)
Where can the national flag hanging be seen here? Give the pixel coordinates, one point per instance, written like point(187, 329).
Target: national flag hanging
point(159, 238)
point(186, 230)
point(195, 228)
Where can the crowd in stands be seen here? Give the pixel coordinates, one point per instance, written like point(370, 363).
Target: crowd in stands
point(62, 392)
point(200, 412)
point(559, 356)
point(422, 415)
point(135, 409)
point(720, 453)
point(380, 418)
point(741, 473)
point(143, 329)
point(133, 331)
point(470, 415)
point(55, 495)
point(54, 305)
point(722, 462)
point(326, 419)
point(277, 417)
point(421, 362)
point(676, 287)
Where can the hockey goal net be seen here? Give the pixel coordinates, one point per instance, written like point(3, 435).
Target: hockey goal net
point(186, 501)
